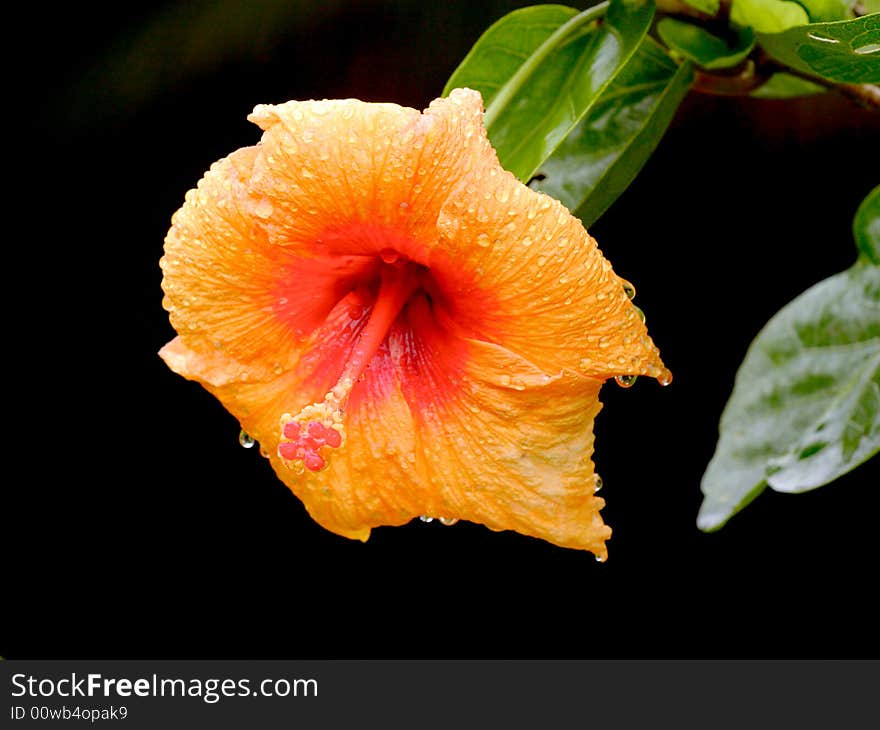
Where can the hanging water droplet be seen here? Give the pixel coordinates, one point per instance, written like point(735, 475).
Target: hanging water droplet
point(626, 381)
point(665, 379)
point(628, 289)
point(600, 559)
point(425, 518)
point(448, 520)
point(597, 485)
point(640, 313)
point(245, 439)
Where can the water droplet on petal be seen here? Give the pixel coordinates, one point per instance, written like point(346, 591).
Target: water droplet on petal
point(389, 255)
point(425, 518)
point(628, 289)
point(640, 313)
point(597, 485)
point(626, 381)
point(665, 379)
point(264, 208)
point(600, 559)
point(245, 439)
point(449, 520)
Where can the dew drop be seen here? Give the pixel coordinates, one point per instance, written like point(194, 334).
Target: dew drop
point(665, 379)
point(640, 313)
point(389, 255)
point(448, 520)
point(626, 381)
point(425, 518)
point(245, 439)
point(504, 380)
point(867, 48)
point(600, 559)
point(597, 485)
point(264, 208)
point(628, 289)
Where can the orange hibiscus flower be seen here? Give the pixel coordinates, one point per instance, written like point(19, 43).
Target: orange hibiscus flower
point(404, 327)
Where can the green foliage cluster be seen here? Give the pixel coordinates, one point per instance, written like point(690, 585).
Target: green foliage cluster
point(577, 101)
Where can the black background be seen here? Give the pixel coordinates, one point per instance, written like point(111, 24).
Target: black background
point(135, 525)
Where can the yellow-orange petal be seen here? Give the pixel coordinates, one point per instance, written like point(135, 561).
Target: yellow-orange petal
point(232, 294)
point(558, 303)
point(346, 177)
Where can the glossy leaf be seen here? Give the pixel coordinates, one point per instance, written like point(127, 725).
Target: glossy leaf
point(535, 101)
point(768, 16)
point(600, 158)
point(505, 46)
point(847, 51)
point(805, 407)
point(785, 86)
point(828, 10)
point(703, 48)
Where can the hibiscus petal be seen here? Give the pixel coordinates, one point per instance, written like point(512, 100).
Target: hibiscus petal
point(345, 177)
point(556, 300)
point(229, 291)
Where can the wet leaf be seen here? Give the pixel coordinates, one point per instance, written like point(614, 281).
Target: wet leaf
point(600, 158)
point(768, 16)
point(538, 93)
point(805, 407)
point(703, 48)
point(847, 51)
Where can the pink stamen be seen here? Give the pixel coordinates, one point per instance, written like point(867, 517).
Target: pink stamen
point(288, 450)
point(291, 430)
point(313, 461)
point(333, 438)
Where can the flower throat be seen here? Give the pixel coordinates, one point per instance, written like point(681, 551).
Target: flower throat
point(306, 436)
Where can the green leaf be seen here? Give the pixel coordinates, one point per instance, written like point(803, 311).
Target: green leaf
point(505, 46)
point(785, 86)
point(805, 407)
point(826, 10)
point(603, 154)
point(768, 16)
point(534, 101)
point(703, 48)
point(847, 51)
point(710, 7)
point(866, 227)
